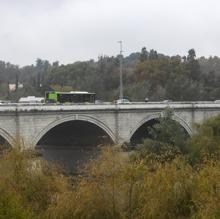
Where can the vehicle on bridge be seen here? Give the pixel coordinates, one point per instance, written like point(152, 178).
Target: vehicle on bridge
point(5, 102)
point(31, 99)
point(122, 101)
point(69, 97)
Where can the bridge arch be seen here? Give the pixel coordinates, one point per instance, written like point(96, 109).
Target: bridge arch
point(156, 116)
point(7, 137)
point(84, 118)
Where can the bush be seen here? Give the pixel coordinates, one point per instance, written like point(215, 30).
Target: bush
point(205, 143)
point(29, 184)
point(167, 140)
point(115, 187)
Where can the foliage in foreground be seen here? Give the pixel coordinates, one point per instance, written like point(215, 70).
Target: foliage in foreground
point(111, 186)
point(27, 185)
point(114, 187)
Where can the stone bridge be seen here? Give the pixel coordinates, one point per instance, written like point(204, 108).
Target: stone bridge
point(119, 122)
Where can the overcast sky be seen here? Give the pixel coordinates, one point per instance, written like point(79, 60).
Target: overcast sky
point(72, 30)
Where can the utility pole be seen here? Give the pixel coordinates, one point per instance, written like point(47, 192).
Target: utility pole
point(121, 78)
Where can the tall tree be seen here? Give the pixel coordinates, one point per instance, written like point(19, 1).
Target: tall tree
point(144, 54)
point(192, 66)
point(153, 54)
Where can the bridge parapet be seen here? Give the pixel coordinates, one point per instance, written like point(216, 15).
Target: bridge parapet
point(84, 107)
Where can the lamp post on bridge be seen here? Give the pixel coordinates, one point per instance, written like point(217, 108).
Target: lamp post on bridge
point(121, 78)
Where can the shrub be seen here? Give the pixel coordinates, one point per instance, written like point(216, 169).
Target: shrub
point(205, 143)
point(30, 184)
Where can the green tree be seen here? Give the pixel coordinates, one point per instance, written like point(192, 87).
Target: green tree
point(167, 139)
point(205, 143)
point(144, 54)
point(192, 66)
point(153, 54)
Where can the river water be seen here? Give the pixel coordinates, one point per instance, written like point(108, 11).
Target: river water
point(69, 158)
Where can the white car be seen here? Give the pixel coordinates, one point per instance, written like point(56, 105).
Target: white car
point(167, 101)
point(122, 101)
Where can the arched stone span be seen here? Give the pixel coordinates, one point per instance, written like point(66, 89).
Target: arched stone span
point(72, 141)
point(183, 123)
point(156, 116)
point(74, 118)
point(7, 137)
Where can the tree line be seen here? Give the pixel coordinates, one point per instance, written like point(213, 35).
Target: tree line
point(146, 74)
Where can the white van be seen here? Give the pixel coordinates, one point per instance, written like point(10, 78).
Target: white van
point(31, 99)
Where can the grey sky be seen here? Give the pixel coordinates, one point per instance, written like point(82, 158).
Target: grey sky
point(72, 30)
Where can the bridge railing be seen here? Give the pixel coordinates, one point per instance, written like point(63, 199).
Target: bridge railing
point(18, 107)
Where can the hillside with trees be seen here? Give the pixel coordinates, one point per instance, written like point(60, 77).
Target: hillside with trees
point(146, 74)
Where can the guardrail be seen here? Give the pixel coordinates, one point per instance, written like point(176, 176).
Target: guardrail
point(110, 103)
point(18, 107)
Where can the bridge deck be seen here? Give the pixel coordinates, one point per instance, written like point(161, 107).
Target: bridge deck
point(106, 106)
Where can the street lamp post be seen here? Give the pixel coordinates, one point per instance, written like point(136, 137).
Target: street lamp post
point(121, 78)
